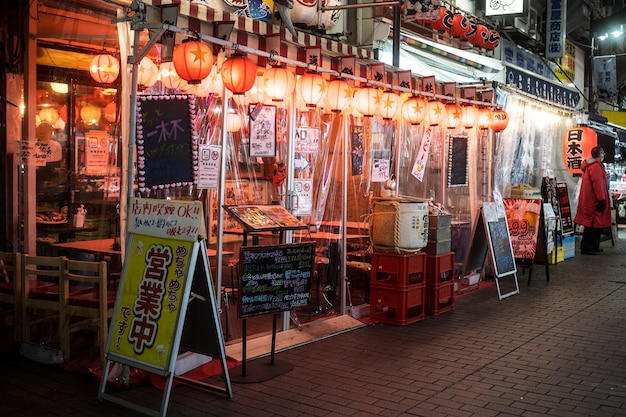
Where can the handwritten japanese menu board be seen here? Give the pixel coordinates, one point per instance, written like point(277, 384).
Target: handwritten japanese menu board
point(275, 278)
point(166, 141)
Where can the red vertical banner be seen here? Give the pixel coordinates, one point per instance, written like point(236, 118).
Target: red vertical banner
point(523, 218)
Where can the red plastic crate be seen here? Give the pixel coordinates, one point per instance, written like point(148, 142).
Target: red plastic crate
point(397, 271)
point(439, 298)
point(439, 268)
point(397, 306)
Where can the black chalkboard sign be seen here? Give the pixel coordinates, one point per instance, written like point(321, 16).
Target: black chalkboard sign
point(275, 278)
point(458, 160)
point(499, 241)
point(166, 141)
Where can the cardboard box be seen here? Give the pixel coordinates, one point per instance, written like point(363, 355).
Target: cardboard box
point(438, 247)
point(436, 222)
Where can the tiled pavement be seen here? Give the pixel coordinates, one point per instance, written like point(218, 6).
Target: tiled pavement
point(556, 349)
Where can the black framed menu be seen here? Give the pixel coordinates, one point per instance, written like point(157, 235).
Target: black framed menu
point(255, 218)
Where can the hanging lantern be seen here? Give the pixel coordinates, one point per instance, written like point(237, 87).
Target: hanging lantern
point(482, 36)
point(444, 22)
point(170, 78)
point(577, 145)
point(493, 40)
point(454, 115)
point(485, 117)
point(338, 95)
point(238, 73)
point(279, 83)
point(110, 111)
point(390, 105)
point(367, 100)
point(257, 93)
point(90, 114)
point(460, 25)
point(470, 31)
point(469, 117)
point(311, 88)
point(49, 114)
point(500, 120)
point(193, 61)
point(104, 69)
point(147, 73)
point(233, 122)
point(435, 112)
point(414, 110)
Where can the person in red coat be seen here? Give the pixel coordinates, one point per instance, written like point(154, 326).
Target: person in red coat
point(594, 204)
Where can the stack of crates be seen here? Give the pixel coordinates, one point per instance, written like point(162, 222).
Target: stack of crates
point(439, 283)
point(397, 286)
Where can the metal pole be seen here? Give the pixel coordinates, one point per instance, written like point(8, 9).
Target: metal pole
point(592, 100)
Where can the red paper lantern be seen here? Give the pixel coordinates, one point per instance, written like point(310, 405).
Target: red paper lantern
point(238, 73)
point(110, 112)
point(493, 40)
point(460, 25)
point(577, 145)
point(444, 22)
point(454, 115)
point(104, 68)
point(193, 61)
point(279, 83)
point(414, 110)
point(482, 36)
point(500, 120)
point(470, 32)
point(311, 88)
point(435, 112)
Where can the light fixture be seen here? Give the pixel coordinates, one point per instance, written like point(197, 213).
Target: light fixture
point(414, 110)
point(311, 88)
point(367, 100)
point(49, 114)
point(390, 105)
point(147, 72)
point(110, 111)
point(435, 112)
point(338, 95)
point(238, 73)
point(90, 114)
point(454, 115)
point(193, 61)
point(233, 122)
point(279, 83)
point(104, 68)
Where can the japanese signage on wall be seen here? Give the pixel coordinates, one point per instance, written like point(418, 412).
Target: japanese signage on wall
point(566, 72)
point(422, 156)
point(263, 132)
point(523, 59)
point(33, 153)
point(303, 200)
point(541, 88)
point(181, 220)
point(605, 78)
point(523, 216)
point(307, 139)
point(555, 28)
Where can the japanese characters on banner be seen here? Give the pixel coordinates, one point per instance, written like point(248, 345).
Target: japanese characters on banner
point(577, 145)
point(181, 220)
point(523, 216)
point(605, 78)
point(162, 235)
point(555, 28)
point(422, 156)
point(209, 166)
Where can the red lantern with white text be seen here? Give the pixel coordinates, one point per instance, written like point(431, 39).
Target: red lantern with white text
point(577, 145)
point(500, 120)
point(193, 61)
point(238, 73)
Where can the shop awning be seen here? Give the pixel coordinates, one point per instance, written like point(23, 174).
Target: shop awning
point(446, 63)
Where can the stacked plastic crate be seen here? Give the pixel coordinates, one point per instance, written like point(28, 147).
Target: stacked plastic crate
point(439, 283)
point(397, 288)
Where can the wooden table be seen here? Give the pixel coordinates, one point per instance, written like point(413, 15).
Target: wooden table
point(99, 247)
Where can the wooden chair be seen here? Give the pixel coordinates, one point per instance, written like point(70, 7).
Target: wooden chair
point(40, 280)
point(89, 308)
point(11, 287)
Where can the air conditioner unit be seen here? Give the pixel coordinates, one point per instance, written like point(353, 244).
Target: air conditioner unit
point(528, 24)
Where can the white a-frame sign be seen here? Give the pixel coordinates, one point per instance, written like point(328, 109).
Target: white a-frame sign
point(164, 289)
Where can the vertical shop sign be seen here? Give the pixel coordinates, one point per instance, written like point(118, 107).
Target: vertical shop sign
point(209, 166)
point(357, 150)
point(555, 28)
point(605, 78)
point(565, 211)
point(96, 152)
point(577, 145)
point(422, 155)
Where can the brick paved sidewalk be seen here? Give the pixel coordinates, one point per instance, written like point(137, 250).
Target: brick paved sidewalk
point(557, 348)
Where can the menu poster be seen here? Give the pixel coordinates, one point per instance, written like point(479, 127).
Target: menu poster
point(263, 132)
point(307, 139)
point(458, 164)
point(567, 223)
point(265, 217)
point(166, 141)
point(523, 217)
point(96, 152)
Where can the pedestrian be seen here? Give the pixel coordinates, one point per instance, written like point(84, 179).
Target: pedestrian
point(594, 204)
